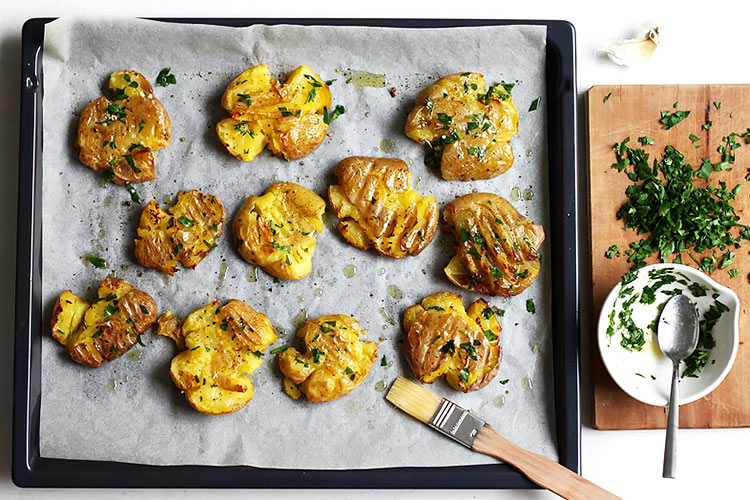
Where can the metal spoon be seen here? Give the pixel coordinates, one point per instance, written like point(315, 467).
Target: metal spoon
point(678, 336)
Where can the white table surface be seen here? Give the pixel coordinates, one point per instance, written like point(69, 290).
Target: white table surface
point(701, 43)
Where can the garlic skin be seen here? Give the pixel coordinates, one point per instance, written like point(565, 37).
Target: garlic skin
point(633, 51)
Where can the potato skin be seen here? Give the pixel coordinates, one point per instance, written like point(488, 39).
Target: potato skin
point(107, 329)
point(467, 126)
point(334, 363)
point(185, 234)
point(276, 231)
point(220, 348)
point(288, 117)
point(119, 132)
point(496, 247)
point(377, 207)
point(443, 339)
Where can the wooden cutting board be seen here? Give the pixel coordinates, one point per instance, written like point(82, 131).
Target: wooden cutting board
point(635, 111)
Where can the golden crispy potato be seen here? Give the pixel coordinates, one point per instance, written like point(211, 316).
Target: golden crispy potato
point(118, 133)
point(186, 234)
point(335, 361)
point(106, 329)
point(496, 247)
point(467, 126)
point(288, 117)
point(276, 231)
point(377, 207)
point(445, 339)
point(220, 348)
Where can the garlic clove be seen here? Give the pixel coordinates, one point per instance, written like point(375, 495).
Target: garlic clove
point(633, 51)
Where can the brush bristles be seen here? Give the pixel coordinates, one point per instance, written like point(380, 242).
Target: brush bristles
point(413, 399)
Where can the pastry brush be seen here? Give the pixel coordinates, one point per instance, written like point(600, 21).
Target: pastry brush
point(450, 419)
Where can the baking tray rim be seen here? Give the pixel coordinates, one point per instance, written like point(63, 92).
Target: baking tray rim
point(29, 469)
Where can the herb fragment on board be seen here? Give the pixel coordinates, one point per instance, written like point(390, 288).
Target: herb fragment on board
point(669, 120)
point(606, 97)
point(165, 78)
point(612, 251)
point(645, 140)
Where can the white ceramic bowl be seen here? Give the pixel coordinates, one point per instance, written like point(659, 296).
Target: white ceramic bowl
point(646, 374)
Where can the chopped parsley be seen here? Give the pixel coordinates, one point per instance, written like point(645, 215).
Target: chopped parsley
point(448, 348)
point(535, 104)
point(470, 350)
point(109, 311)
point(490, 311)
point(530, 306)
point(280, 349)
point(114, 113)
point(337, 111)
point(246, 99)
point(464, 374)
point(606, 97)
point(384, 361)
point(645, 140)
point(165, 78)
point(131, 162)
point(674, 212)
point(186, 222)
point(612, 251)
point(134, 196)
point(316, 355)
point(97, 262)
point(669, 120)
point(490, 335)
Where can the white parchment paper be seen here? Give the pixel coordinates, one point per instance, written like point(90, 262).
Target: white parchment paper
point(129, 410)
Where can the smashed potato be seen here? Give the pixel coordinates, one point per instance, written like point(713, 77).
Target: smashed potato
point(443, 339)
point(496, 247)
point(276, 231)
point(335, 361)
point(377, 207)
point(106, 329)
point(288, 118)
point(185, 234)
point(466, 126)
point(220, 348)
point(119, 132)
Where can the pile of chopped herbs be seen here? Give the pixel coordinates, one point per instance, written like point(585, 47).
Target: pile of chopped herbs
point(633, 337)
point(675, 212)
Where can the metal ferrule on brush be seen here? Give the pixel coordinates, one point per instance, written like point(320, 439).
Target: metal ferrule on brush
point(457, 423)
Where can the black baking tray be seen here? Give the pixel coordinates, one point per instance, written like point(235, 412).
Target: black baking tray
point(32, 470)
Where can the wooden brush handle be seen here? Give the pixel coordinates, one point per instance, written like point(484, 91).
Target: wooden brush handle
point(543, 471)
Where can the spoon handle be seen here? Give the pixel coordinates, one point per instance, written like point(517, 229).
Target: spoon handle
point(670, 447)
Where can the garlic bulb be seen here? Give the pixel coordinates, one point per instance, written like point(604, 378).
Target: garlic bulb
point(633, 51)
